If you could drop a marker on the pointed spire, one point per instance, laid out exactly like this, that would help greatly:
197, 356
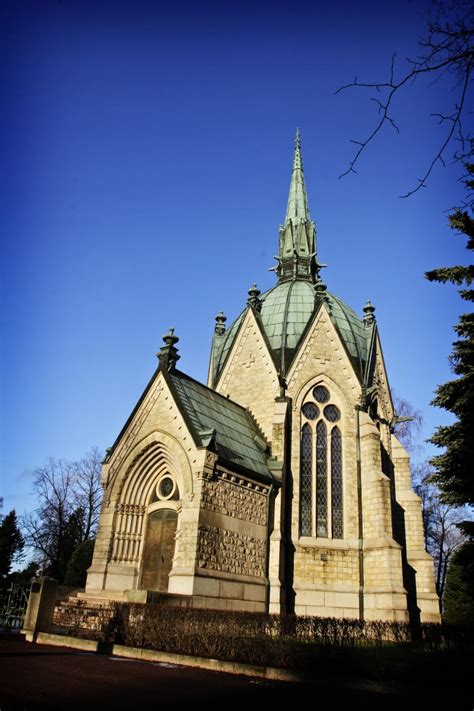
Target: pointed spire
297, 208
297, 248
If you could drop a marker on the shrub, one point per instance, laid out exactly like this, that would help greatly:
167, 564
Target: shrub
284, 641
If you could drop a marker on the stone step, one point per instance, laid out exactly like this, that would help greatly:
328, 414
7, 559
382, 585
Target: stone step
86, 602
98, 597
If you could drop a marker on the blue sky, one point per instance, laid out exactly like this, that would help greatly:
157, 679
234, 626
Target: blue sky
147, 153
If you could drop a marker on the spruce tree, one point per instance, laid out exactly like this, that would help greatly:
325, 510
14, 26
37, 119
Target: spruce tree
454, 473
11, 543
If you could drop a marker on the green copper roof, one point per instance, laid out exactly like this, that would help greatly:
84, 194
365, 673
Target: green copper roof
286, 309
237, 440
285, 313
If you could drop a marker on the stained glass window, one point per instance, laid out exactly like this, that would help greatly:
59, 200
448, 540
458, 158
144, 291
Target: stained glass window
306, 480
336, 483
331, 413
310, 411
321, 474
321, 480
321, 394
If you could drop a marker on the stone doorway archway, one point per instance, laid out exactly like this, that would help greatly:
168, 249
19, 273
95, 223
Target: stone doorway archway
159, 548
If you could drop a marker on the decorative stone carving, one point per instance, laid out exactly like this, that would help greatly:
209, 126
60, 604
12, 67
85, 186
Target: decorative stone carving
240, 501
230, 552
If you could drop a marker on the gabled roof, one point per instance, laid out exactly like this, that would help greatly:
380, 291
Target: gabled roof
285, 313
237, 440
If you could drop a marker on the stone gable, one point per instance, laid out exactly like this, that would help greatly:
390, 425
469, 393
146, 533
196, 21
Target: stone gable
322, 352
250, 376
157, 413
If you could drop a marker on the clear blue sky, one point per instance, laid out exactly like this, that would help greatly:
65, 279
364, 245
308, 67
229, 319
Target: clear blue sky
146, 163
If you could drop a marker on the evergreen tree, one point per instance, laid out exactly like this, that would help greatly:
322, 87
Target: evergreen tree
11, 542
454, 467
458, 599
81, 560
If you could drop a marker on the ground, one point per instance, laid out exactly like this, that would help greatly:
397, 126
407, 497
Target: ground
37, 677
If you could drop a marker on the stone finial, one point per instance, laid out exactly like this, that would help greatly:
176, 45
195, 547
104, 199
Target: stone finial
254, 301
320, 288
168, 355
320, 292
369, 317
219, 328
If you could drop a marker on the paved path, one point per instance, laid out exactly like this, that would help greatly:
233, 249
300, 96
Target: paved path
38, 677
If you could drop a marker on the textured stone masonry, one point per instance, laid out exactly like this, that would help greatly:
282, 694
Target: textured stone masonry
233, 500
229, 552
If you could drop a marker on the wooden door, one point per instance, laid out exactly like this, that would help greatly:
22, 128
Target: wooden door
159, 549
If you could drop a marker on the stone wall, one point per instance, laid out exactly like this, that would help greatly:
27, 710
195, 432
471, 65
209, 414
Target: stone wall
233, 525
230, 552
237, 501
327, 566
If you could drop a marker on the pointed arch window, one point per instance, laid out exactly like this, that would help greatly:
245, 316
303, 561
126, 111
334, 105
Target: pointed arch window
336, 482
321, 467
306, 484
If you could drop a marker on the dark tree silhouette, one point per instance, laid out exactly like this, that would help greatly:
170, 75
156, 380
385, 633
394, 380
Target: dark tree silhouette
11, 543
69, 497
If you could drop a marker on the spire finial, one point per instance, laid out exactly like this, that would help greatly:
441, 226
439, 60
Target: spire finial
168, 355
298, 138
297, 209
219, 328
369, 310
298, 165
254, 301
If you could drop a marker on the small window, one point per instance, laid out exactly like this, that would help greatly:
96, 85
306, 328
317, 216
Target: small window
321, 394
310, 411
166, 488
331, 413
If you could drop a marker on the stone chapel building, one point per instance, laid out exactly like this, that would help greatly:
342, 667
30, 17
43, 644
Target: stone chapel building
280, 485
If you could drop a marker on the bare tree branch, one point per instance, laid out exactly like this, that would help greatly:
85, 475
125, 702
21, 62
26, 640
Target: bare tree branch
447, 48
68, 496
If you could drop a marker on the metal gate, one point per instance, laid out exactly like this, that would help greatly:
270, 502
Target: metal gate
13, 603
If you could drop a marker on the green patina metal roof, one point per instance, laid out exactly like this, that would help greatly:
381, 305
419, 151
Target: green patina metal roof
286, 309
285, 313
237, 439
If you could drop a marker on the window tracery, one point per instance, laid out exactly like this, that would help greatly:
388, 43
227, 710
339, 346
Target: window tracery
321, 467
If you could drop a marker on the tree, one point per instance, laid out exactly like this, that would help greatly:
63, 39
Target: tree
446, 51
407, 424
81, 559
11, 543
69, 496
458, 601
453, 468
440, 523
23, 577
88, 490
